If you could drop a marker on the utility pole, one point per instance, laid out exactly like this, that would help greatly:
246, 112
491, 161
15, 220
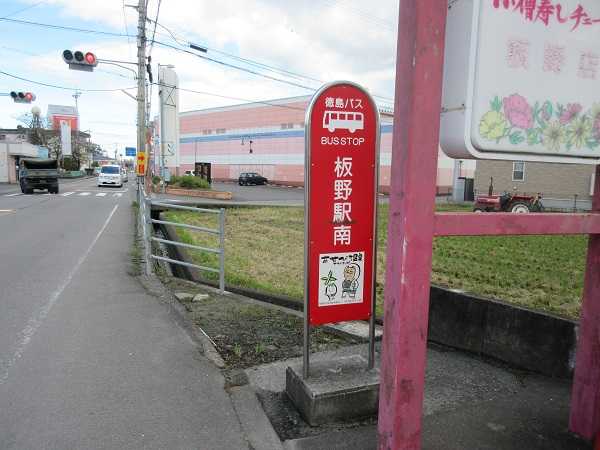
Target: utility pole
76, 96
141, 91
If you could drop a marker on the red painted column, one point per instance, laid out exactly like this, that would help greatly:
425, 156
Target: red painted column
585, 396
420, 55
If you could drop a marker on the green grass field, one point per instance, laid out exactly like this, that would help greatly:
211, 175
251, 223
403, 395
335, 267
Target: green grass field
264, 251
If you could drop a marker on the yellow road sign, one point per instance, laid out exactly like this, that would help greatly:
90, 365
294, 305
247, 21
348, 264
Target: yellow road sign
141, 164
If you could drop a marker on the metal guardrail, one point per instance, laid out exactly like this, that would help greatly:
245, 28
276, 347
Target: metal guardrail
145, 221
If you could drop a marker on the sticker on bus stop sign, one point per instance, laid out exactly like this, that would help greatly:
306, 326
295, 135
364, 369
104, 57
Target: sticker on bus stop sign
342, 143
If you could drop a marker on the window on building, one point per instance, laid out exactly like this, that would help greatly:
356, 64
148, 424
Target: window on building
518, 171
287, 126
221, 130
2, 137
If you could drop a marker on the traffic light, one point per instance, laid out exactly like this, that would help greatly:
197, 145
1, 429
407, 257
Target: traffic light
22, 97
80, 61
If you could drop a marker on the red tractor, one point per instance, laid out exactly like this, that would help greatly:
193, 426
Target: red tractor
508, 202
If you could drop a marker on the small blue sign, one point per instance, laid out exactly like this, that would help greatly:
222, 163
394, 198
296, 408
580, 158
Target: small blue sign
130, 151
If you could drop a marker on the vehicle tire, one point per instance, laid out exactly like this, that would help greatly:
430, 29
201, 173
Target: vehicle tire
56, 190
28, 190
478, 210
240, 183
519, 208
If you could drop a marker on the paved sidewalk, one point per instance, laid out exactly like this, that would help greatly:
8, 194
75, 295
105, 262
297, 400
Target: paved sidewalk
108, 367
470, 404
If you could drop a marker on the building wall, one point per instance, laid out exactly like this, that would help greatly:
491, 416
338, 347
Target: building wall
4, 163
556, 182
221, 136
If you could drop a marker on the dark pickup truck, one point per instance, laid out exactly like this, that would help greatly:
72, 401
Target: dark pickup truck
38, 174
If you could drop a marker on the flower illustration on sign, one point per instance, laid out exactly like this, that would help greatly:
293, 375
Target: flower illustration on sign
570, 112
492, 125
553, 136
518, 112
579, 132
553, 125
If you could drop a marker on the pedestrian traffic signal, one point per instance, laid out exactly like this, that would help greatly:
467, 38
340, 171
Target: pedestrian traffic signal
80, 61
22, 97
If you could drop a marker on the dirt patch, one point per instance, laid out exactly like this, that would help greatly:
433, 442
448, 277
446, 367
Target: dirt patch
247, 332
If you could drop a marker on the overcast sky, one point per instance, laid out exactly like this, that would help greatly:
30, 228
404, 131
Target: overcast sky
320, 39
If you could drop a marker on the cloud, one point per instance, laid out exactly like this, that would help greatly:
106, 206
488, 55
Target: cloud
323, 39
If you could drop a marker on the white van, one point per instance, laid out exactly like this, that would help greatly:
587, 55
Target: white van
110, 176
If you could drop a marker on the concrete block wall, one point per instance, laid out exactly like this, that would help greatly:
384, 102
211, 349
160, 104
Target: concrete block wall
554, 181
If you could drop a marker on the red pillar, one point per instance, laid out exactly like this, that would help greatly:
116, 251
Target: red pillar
585, 397
420, 55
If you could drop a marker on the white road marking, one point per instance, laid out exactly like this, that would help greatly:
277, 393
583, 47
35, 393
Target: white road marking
66, 194
6, 210
118, 194
34, 322
101, 194
84, 193
13, 195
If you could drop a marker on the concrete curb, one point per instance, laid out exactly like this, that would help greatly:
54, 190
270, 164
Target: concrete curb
256, 425
199, 193
155, 287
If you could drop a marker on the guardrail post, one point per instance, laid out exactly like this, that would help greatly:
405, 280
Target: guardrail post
222, 250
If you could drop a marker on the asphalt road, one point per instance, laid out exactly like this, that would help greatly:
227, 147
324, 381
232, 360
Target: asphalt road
262, 193
88, 359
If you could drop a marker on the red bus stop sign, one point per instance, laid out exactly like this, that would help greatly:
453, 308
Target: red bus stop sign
341, 175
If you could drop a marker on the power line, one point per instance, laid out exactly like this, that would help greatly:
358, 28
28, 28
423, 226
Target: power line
24, 52
243, 69
255, 63
364, 14
228, 97
66, 88
155, 23
149, 99
239, 58
126, 28
24, 9
62, 27
216, 61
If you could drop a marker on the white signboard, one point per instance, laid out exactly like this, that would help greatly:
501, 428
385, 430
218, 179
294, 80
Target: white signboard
341, 278
65, 138
169, 117
522, 80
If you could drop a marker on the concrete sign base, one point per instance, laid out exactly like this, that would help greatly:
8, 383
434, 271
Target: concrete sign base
341, 389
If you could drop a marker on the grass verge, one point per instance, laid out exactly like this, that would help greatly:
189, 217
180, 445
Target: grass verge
249, 333
264, 251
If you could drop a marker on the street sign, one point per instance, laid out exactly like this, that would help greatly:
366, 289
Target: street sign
130, 151
342, 144
140, 167
521, 81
